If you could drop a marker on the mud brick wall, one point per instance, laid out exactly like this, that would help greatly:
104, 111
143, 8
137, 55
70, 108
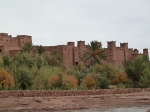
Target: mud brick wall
46, 93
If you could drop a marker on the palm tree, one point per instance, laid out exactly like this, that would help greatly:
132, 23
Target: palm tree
94, 53
135, 69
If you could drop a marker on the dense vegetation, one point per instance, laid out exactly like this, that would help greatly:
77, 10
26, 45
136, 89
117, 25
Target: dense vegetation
31, 69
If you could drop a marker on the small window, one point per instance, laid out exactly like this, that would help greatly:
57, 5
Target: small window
0, 50
76, 63
110, 49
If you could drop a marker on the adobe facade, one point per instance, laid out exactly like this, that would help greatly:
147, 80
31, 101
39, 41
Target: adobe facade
71, 54
117, 55
10, 45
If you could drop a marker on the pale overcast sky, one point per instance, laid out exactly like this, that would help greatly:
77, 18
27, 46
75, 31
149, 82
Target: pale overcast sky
54, 22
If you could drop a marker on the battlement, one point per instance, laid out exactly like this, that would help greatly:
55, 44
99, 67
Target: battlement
145, 51
111, 41
124, 45
70, 44
4, 34
111, 44
23, 36
70, 53
81, 43
135, 51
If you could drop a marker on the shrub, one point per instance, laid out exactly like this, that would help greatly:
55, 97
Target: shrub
106, 68
53, 81
89, 81
101, 82
120, 77
145, 81
6, 80
69, 82
129, 85
40, 82
120, 85
82, 87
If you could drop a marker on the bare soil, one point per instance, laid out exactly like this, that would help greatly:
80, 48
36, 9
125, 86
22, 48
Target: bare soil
30, 104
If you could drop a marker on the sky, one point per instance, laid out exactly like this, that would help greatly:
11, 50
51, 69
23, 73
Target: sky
55, 22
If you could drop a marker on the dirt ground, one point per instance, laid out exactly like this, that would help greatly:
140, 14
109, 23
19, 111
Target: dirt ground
30, 104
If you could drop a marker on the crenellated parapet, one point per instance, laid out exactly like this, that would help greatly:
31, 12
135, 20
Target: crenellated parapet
72, 54
10, 45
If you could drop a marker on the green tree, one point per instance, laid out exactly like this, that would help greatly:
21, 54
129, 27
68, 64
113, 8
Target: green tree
28, 48
145, 80
26, 59
135, 69
23, 78
94, 53
105, 68
54, 59
6, 60
40, 50
40, 62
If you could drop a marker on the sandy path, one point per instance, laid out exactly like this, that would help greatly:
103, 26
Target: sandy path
74, 102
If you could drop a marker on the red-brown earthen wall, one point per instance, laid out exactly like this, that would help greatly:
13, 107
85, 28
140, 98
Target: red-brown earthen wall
48, 93
70, 53
10, 45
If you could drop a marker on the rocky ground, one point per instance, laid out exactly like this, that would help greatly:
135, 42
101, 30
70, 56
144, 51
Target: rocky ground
29, 104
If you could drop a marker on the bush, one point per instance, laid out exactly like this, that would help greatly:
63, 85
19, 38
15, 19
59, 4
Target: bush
145, 81
106, 68
89, 81
69, 82
101, 82
82, 87
120, 77
120, 85
53, 81
6, 80
129, 85
40, 82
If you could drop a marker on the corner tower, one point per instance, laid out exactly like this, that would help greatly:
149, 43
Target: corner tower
145, 51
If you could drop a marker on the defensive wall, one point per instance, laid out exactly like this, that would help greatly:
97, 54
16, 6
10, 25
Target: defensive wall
49, 93
71, 54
